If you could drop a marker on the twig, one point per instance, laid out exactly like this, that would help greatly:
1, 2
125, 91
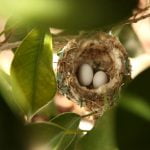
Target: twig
90, 114
10, 45
141, 10
135, 20
139, 14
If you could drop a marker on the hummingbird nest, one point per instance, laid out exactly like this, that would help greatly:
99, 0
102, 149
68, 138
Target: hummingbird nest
103, 52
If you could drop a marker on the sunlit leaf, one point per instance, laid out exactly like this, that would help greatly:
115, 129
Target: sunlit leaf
57, 134
5, 83
6, 91
32, 75
102, 137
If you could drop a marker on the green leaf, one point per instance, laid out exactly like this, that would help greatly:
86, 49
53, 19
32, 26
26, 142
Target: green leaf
49, 110
132, 131
5, 84
11, 128
6, 91
57, 134
33, 79
73, 145
136, 105
65, 119
69, 121
133, 115
102, 137
136, 97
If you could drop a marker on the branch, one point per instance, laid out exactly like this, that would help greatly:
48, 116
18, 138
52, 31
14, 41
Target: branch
138, 15
10, 45
135, 20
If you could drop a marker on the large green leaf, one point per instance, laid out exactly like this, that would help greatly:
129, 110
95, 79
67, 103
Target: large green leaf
102, 137
6, 91
72, 14
136, 97
57, 134
11, 128
133, 115
133, 131
5, 85
33, 79
73, 145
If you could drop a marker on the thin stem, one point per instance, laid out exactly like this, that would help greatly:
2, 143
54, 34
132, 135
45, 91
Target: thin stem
135, 20
10, 45
90, 114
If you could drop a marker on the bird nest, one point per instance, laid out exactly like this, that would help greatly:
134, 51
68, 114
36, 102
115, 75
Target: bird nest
103, 52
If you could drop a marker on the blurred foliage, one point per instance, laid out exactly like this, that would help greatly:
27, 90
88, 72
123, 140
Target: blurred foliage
133, 115
70, 14
33, 79
138, 90
16, 29
129, 39
133, 131
11, 129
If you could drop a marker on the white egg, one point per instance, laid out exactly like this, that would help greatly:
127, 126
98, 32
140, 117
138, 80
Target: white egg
99, 79
85, 74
